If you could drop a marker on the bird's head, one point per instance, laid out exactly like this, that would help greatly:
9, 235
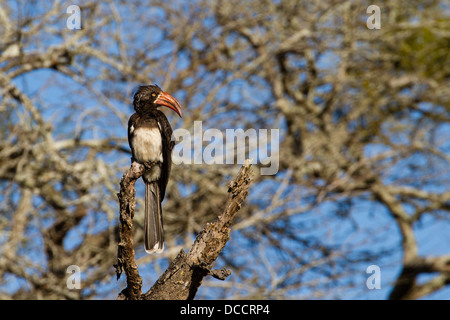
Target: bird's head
152, 96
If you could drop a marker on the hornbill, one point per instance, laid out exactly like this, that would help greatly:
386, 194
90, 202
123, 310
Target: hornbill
149, 136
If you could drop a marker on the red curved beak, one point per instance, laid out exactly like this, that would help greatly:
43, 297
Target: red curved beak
167, 100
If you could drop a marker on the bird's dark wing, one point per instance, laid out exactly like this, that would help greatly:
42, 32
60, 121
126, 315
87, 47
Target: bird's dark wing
132, 122
167, 147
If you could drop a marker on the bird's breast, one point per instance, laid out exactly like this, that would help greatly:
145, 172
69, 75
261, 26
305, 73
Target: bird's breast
147, 144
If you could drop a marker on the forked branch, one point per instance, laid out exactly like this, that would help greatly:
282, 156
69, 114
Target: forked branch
185, 273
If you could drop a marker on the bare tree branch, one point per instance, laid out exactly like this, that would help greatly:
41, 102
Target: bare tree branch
125, 254
184, 275
406, 286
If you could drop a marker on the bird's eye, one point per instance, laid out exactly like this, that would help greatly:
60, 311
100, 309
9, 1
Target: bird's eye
153, 94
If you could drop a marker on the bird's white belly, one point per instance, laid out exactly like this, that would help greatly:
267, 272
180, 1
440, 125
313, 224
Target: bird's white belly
147, 144
147, 147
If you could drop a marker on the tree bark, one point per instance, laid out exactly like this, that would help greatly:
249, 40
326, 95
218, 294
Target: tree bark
185, 273
125, 250
406, 286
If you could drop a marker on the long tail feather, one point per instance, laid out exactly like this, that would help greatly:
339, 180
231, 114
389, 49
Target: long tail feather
154, 233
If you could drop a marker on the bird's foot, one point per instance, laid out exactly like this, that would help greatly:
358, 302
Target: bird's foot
149, 164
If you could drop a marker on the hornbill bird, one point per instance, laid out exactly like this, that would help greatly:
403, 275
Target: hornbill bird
149, 136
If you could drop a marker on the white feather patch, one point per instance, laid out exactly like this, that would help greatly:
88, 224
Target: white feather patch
147, 144
155, 249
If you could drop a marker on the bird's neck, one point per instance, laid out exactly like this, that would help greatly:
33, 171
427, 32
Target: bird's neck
147, 111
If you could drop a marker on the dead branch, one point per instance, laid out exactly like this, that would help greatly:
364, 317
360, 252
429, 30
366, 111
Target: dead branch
184, 275
125, 252
406, 286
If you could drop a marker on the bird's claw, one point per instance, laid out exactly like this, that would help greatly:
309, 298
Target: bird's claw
149, 164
